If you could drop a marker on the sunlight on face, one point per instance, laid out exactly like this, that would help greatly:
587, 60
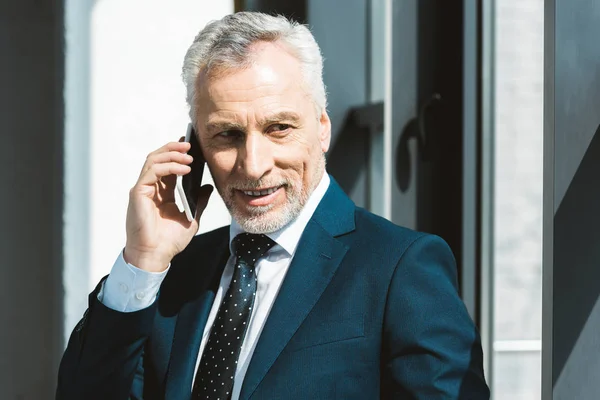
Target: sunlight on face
262, 139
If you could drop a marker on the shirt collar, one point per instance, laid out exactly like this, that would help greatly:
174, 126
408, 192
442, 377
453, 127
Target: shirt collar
289, 236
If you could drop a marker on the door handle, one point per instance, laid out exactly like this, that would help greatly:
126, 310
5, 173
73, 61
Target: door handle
424, 137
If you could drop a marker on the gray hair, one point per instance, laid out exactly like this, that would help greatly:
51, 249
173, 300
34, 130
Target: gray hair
225, 44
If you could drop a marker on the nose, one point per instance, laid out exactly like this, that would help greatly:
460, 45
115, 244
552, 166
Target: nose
255, 160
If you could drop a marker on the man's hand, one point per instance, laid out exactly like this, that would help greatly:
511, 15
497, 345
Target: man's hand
156, 229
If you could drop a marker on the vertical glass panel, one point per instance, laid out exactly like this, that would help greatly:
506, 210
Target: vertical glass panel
518, 127
518, 375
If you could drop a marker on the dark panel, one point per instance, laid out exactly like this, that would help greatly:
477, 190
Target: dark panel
576, 256
440, 71
572, 238
428, 40
31, 113
294, 9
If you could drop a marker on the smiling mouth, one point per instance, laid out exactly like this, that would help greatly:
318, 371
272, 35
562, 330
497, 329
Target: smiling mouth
259, 193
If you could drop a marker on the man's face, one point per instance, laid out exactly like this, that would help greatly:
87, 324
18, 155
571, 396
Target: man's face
262, 138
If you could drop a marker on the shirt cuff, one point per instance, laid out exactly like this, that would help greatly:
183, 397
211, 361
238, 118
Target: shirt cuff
128, 288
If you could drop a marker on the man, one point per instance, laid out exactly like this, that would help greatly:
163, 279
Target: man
304, 296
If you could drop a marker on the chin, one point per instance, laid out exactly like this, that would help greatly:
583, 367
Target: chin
264, 221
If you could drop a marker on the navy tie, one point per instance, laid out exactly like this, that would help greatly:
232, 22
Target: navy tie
216, 372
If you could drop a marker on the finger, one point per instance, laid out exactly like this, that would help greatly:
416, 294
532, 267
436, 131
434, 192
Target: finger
181, 147
157, 171
203, 197
166, 156
171, 156
173, 147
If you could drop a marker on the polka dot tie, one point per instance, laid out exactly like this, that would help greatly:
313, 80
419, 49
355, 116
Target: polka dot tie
216, 372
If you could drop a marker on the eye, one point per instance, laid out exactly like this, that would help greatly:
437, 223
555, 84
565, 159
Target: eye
231, 134
278, 128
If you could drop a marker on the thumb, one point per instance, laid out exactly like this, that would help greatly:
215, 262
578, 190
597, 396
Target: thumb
205, 192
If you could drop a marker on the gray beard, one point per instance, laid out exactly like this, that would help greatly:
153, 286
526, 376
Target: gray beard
263, 219
266, 221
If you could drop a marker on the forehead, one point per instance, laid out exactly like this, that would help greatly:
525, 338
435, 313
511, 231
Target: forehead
273, 81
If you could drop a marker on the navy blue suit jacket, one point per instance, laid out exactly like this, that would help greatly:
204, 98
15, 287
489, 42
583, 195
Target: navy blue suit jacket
367, 310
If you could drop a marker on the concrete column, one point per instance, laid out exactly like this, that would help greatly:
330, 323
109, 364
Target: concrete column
31, 150
571, 314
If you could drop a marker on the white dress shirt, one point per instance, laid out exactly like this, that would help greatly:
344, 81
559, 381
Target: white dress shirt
129, 289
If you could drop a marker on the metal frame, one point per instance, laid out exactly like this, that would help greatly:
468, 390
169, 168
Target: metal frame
548, 200
379, 88
376, 94
487, 186
387, 111
470, 151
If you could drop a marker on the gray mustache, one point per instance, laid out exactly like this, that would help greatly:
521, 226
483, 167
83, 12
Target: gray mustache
256, 185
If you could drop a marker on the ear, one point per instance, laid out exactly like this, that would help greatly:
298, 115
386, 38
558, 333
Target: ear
324, 131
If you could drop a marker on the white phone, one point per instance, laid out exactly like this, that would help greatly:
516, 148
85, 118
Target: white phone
188, 186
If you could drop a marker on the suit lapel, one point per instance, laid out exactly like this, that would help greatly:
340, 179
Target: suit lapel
317, 258
194, 312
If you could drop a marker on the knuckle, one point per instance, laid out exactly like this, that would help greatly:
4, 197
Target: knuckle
154, 166
150, 159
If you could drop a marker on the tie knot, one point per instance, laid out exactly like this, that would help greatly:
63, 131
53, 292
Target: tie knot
249, 247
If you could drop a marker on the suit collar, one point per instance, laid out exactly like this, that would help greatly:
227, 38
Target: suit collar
335, 213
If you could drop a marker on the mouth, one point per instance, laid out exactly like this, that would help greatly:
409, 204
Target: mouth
261, 196
258, 193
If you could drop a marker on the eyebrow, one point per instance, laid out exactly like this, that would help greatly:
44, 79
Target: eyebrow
222, 126
225, 125
288, 116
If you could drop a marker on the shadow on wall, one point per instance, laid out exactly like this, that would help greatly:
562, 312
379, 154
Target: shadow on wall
576, 256
349, 154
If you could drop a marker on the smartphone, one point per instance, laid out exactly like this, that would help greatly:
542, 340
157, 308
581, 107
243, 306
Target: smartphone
188, 186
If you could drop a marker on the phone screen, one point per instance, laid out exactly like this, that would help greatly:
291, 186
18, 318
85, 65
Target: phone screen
192, 182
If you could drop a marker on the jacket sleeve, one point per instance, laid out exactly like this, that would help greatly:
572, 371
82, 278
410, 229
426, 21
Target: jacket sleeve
104, 354
431, 347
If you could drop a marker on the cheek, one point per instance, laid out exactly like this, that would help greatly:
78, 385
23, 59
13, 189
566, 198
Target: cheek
292, 157
221, 164
302, 152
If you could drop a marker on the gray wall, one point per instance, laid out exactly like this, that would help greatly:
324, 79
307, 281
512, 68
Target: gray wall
346, 76
31, 110
571, 343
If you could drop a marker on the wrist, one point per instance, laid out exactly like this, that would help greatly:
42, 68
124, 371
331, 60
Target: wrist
150, 262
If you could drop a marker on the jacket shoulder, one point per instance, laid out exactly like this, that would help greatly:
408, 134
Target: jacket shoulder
389, 240
383, 230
